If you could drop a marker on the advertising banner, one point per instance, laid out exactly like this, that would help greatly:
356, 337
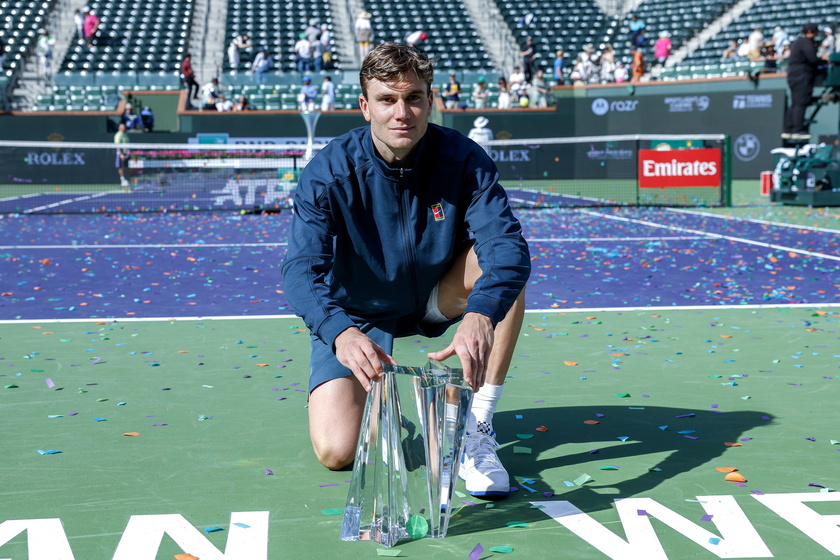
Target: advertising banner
660, 169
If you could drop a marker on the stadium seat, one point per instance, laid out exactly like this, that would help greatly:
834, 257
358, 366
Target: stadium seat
276, 26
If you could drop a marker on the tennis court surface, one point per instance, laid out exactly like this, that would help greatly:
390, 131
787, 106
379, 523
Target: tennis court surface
153, 392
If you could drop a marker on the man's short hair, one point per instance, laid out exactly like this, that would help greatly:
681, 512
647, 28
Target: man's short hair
389, 62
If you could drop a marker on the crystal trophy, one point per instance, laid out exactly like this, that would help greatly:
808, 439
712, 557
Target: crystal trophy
408, 455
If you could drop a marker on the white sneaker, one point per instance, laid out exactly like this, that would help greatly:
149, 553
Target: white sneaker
124, 182
480, 467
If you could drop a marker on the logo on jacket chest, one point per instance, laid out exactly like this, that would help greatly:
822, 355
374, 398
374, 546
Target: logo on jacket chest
437, 211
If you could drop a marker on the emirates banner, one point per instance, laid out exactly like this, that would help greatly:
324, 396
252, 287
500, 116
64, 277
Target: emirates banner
660, 169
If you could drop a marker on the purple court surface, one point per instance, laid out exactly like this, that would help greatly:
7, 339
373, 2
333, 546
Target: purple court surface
215, 264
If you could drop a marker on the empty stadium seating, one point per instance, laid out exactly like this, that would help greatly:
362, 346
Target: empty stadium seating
567, 25
453, 38
134, 36
274, 25
19, 23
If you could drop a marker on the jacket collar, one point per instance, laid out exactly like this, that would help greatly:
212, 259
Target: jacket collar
397, 173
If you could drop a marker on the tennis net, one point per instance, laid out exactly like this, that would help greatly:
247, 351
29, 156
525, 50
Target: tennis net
68, 177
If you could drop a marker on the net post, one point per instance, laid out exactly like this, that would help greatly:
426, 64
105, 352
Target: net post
727, 171
637, 174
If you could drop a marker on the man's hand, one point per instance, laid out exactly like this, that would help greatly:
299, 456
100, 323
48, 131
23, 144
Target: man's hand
361, 355
472, 343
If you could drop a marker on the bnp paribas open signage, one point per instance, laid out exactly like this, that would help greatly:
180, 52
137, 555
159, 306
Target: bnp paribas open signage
723, 525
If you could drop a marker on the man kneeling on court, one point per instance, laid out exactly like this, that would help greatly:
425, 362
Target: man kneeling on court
401, 228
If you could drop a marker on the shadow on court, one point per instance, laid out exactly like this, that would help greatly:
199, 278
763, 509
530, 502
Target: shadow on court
559, 452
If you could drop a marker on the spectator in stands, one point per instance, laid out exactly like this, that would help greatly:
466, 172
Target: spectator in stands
504, 101
744, 49
607, 71
237, 44
130, 119
731, 52
79, 22
637, 27
147, 119
307, 95
785, 54
91, 26
588, 54
662, 47
529, 55
480, 134
516, 82
210, 93
317, 54
771, 58
44, 50
620, 73
755, 42
416, 38
827, 45
801, 75
223, 104
261, 65
580, 71
303, 54
452, 92
242, 104
538, 91
780, 38
326, 46
640, 38
480, 93
327, 95
638, 69
188, 77
121, 137
364, 33
313, 31
559, 71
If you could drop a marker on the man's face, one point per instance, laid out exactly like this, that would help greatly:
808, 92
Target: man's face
398, 113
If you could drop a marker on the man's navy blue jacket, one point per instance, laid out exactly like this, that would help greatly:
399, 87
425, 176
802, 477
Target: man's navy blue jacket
369, 242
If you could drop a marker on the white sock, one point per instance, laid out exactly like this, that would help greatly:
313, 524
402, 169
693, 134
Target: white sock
483, 408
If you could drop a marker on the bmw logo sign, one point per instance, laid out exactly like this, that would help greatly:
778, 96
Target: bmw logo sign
747, 147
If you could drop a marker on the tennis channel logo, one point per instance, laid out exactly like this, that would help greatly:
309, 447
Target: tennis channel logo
601, 106
753, 101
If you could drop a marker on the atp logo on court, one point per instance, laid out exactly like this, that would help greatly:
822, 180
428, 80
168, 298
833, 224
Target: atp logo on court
437, 211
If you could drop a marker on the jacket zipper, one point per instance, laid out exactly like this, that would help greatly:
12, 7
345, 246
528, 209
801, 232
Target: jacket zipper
408, 235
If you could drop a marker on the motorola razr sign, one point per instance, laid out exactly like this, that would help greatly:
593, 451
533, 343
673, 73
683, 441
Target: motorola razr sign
752, 119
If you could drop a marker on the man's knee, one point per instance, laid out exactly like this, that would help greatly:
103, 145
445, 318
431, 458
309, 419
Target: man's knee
335, 458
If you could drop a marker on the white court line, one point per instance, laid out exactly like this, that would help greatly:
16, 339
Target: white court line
716, 236
152, 246
66, 201
753, 220
20, 197
559, 310
614, 239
